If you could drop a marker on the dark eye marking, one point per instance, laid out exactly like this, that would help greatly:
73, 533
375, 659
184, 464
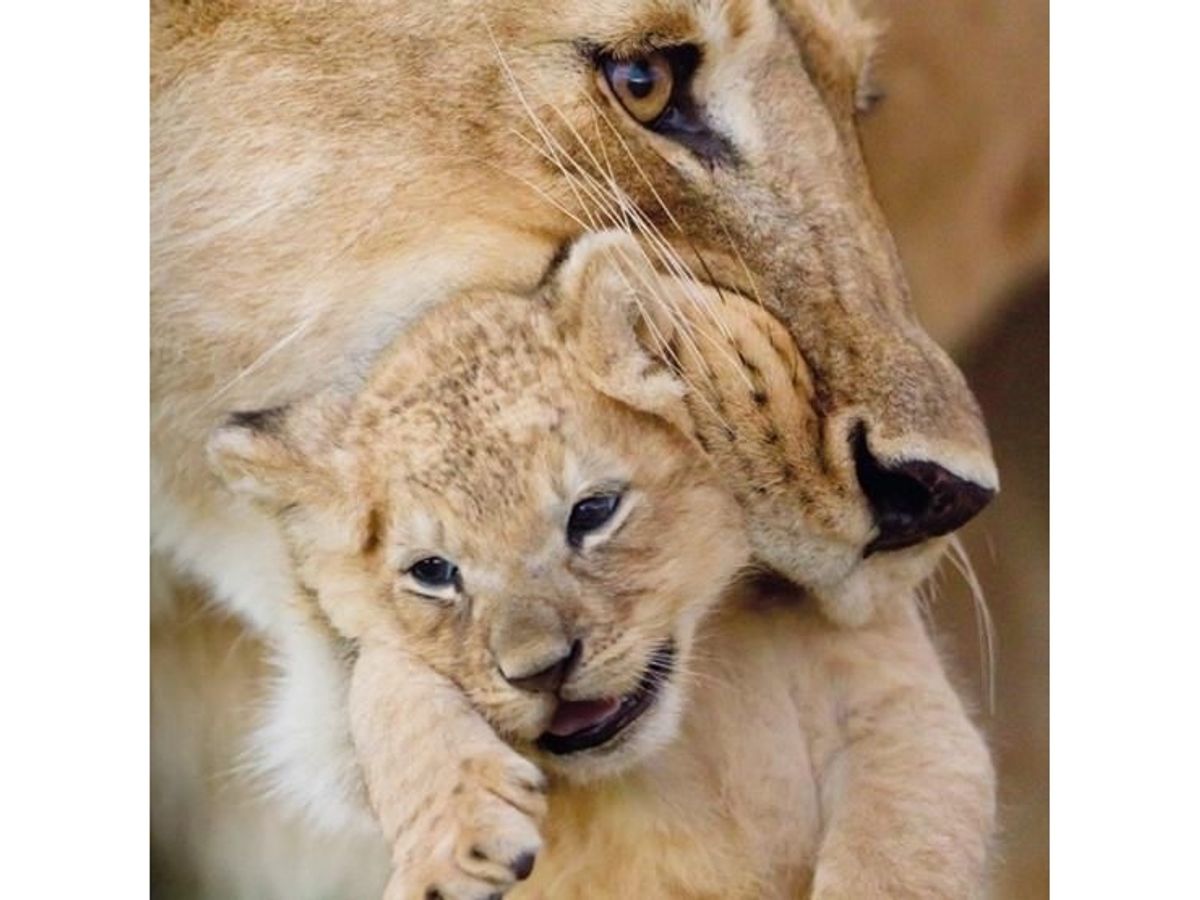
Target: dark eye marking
435, 572
655, 88
590, 515
869, 96
265, 420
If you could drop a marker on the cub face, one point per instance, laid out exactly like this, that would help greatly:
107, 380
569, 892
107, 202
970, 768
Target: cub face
514, 497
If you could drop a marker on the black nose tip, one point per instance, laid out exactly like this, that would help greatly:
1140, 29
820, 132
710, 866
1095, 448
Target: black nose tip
915, 500
549, 679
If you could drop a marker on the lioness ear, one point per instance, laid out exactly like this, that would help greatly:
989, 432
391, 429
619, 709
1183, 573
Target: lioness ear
278, 455
612, 312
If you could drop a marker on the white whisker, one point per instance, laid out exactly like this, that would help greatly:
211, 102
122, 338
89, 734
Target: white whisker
983, 619
262, 359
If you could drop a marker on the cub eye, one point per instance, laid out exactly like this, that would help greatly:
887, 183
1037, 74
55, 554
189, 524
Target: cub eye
644, 85
434, 572
589, 515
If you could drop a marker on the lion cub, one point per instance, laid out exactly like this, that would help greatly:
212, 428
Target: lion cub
515, 532
493, 519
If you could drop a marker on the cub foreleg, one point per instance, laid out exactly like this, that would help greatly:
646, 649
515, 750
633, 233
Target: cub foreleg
460, 809
907, 784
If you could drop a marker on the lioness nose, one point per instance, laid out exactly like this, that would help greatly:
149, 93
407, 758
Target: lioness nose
547, 679
914, 500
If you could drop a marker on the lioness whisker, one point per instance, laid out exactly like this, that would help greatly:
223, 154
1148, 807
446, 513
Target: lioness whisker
629, 211
553, 152
681, 328
983, 618
742, 262
541, 193
571, 180
547, 138
650, 230
261, 360
637, 166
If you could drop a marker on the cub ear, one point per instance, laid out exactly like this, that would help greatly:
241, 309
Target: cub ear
278, 455
612, 310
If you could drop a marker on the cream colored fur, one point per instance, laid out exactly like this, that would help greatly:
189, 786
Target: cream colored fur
456, 804
783, 674
323, 173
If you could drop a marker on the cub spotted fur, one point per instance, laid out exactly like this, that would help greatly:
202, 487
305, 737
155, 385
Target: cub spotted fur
515, 516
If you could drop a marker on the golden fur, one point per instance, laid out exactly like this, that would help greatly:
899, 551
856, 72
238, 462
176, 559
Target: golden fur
325, 173
472, 438
777, 670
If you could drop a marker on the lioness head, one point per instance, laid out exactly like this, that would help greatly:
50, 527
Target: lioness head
323, 171
529, 517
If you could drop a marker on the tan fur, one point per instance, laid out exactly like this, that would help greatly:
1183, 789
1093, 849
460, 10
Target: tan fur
765, 668
462, 459
323, 173
455, 805
838, 780
959, 154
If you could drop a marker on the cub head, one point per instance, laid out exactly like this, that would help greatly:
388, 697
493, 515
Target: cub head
513, 495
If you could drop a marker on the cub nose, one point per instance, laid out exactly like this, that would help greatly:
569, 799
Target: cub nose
550, 678
913, 500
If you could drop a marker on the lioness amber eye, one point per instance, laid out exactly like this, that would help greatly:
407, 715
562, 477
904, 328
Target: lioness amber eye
590, 514
643, 85
434, 572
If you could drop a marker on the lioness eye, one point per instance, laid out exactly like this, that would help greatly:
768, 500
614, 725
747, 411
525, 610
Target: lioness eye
434, 572
590, 514
655, 89
644, 85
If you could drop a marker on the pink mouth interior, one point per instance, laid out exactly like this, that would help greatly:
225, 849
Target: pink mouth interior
573, 716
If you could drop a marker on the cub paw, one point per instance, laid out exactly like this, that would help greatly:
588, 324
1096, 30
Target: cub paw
477, 839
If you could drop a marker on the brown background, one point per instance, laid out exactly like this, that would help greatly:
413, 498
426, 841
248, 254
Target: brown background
959, 151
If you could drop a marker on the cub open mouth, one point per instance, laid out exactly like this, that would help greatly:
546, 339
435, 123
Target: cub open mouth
584, 724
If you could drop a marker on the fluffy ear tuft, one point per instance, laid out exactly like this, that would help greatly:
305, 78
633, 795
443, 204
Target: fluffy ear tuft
274, 455
611, 306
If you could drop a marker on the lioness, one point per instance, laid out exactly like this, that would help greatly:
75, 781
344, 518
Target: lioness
518, 500
322, 173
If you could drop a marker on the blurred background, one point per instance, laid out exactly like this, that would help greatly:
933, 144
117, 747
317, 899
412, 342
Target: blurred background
959, 152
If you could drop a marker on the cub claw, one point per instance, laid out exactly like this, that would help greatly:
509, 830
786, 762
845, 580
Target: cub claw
479, 833
522, 866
